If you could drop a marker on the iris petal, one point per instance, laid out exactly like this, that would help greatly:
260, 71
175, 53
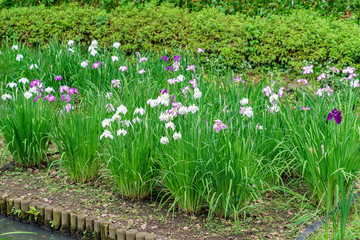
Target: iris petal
338, 119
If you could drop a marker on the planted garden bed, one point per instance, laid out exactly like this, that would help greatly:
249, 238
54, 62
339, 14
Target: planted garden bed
162, 136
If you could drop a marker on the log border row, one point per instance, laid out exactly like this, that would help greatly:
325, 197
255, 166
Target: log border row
68, 222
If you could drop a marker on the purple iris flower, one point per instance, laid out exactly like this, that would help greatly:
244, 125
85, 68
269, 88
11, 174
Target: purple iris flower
165, 58
35, 83
58, 78
169, 68
50, 97
36, 98
336, 115
162, 91
66, 98
177, 58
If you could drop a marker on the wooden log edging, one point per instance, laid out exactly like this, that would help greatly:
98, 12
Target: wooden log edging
66, 222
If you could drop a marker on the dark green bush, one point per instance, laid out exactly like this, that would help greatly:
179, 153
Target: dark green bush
285, 41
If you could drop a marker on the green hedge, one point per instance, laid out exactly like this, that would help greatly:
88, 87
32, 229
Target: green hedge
285, 41
339, 8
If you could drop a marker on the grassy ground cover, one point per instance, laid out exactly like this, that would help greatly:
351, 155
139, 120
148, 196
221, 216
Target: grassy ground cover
199, 142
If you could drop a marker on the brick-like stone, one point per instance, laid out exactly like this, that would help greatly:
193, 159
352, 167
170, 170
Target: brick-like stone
112, 230
73, 224
97, 223
41, 208
3, 203
9, 206
140, 236
104, 230
48, 216
65, 221
17, 206
81, 225
150, 236
89, 222
57, 217
121, 233
131, 234
25, 203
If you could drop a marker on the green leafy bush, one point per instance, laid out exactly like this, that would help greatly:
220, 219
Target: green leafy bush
233, 40
250, 7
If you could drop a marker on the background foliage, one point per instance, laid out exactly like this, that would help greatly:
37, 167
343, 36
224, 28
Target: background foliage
340, 8
234, 40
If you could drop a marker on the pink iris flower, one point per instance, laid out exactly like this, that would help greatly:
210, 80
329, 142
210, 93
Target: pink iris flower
66, 98
142, 71
193, 83
68, 107
334, 69
200, 50
50, 97
304, 81
267, 90
191, 67
143, 60
281, 92
308, 69
184, 91
123, 68
238, 79
219, 125
116, 83
322, 76
96, 64
349, 70
64, 89
71, 91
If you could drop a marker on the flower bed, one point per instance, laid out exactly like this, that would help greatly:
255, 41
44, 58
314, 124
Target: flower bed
205, 142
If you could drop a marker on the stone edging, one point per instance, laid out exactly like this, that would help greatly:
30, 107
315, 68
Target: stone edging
67, 222
316, 225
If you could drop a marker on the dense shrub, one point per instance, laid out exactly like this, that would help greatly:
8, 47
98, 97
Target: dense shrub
232, 39
343, 8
